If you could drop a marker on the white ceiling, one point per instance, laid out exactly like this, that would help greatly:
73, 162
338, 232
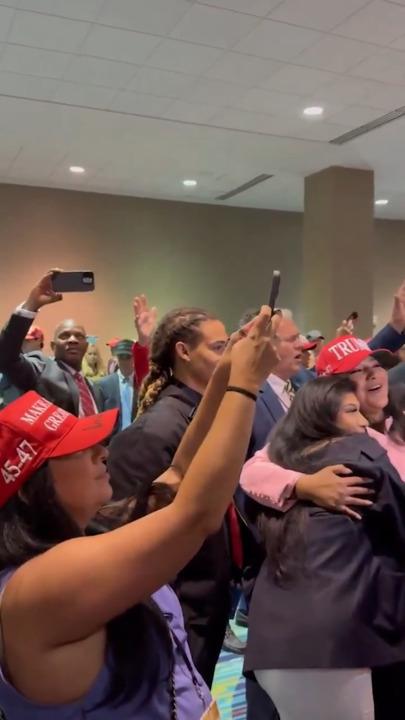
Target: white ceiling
144, 93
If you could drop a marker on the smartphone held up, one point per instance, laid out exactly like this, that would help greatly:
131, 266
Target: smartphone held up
73, 281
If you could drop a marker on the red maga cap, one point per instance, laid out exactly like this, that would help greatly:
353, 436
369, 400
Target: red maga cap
342, 355
32, 430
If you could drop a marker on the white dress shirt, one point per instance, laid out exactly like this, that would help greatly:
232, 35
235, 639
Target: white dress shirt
279, 386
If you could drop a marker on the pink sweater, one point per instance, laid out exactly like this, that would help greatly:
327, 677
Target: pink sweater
271, 485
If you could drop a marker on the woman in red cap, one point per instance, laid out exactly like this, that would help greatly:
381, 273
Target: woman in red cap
89, 630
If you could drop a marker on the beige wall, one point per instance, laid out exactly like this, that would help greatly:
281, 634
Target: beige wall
389, 264
178, 253
217, 257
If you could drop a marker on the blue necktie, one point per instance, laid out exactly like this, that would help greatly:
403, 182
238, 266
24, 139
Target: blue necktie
126, 401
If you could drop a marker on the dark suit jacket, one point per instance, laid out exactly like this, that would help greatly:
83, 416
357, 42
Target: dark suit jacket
268, 411
138, 455
35, 371
344, 606
110, 396
388, 339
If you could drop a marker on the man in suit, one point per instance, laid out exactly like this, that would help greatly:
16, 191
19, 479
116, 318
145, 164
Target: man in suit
58, 379
117, 390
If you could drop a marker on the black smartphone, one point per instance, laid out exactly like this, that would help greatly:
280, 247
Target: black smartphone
73, 281
275, 289
353, 316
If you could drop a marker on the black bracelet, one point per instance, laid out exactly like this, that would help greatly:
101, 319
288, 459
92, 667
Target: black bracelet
242, 391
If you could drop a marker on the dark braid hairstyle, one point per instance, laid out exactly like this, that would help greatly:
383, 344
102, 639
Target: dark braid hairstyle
179, 325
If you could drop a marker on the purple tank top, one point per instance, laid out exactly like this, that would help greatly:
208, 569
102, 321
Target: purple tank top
191, 701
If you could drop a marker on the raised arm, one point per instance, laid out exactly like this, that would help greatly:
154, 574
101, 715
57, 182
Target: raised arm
74, 589
145, 319
20, 370
392, 337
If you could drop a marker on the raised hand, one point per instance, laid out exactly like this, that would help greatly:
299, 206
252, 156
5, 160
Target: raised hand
398, 311
145, 319
43, 293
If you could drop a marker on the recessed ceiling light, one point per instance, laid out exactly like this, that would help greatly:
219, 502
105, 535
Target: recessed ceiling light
189, 183
77, 169
313, 111
381, 201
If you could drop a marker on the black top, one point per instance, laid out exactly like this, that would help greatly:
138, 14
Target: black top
138, 455
346, 609
144, 450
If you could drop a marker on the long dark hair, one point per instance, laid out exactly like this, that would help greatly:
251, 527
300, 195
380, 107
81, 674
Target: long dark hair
310, 421
33, 521
179, 325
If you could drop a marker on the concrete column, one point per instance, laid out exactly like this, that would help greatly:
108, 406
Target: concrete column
337, 249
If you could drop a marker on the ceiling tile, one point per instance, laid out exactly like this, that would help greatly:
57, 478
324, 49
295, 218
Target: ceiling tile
216, 92
220, 28
161, 82
150, 16
27, 86
388, 97
386, 66
299, 80
350, 90
271, 102
183, 57
317, 14
6, 17
277, 40
116, 44
95, 71
243, 120
32, 61
75, 9
138, 104
254, 7
243, 69
190, 112
355, 116
45, 31
84, 95
335, 54
379, 22
400, 43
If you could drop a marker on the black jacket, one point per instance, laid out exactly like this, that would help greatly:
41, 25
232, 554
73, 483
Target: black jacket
346, 608
138, 455
35, 371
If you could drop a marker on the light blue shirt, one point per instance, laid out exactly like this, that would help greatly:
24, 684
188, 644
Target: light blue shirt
127, 398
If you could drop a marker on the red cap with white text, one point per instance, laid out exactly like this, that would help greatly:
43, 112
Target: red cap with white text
33, 430
342, 355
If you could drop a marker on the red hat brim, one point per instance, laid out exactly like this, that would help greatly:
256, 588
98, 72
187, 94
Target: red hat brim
85, 433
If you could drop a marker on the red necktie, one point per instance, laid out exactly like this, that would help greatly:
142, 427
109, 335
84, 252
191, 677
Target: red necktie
86, 399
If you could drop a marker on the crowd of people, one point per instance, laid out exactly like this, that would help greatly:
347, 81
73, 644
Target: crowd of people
196, 475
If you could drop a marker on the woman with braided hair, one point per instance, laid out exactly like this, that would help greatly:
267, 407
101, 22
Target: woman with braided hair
180, 326
186, 347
